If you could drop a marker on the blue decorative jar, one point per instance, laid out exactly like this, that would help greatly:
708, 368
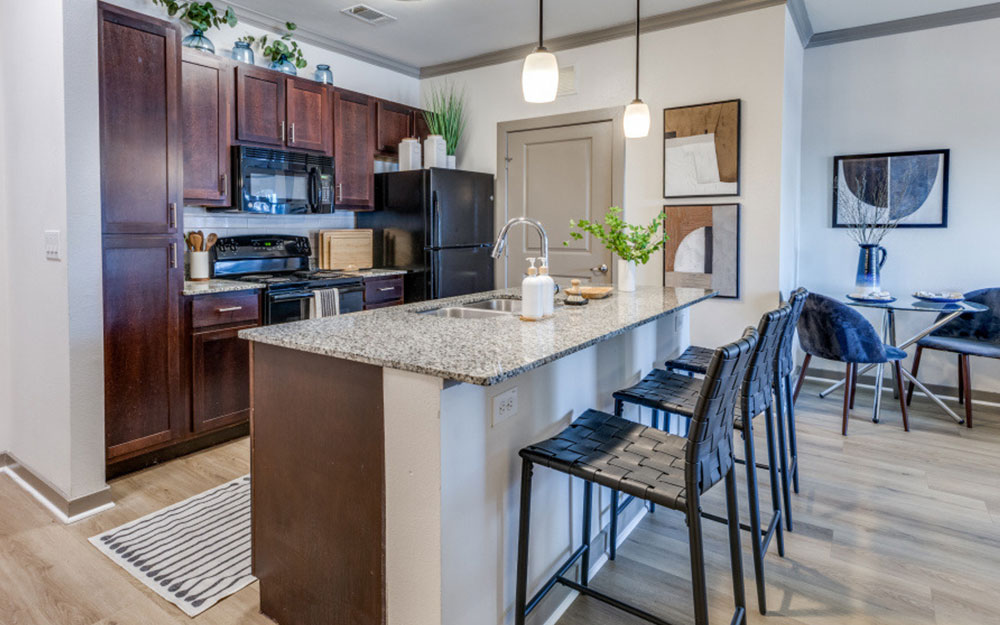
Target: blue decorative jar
199, 41
869, 278
284, 65
323, 74
243, 53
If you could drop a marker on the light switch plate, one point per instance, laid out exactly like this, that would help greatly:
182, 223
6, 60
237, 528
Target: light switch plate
504, 406
53, 249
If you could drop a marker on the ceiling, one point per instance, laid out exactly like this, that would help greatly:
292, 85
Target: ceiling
431, 32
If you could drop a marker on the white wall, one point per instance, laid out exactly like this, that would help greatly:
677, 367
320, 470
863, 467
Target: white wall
929, 89
741, 56
791, 157
4, 271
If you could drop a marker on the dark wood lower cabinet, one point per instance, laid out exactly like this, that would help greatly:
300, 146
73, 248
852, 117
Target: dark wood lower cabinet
220, 378
383, 292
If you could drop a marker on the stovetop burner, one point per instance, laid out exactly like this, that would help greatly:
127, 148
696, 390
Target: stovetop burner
266, 278
323, 274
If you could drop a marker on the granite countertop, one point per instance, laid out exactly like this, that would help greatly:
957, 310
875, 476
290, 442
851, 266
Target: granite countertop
207, 287
378, 273
477, 351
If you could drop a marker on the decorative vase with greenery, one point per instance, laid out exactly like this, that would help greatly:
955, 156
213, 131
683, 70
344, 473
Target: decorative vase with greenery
445, 115
869, 218
201, 17
285, 53
632, 244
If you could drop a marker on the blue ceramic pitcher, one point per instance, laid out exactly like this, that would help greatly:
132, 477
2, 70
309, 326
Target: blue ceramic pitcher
870, 260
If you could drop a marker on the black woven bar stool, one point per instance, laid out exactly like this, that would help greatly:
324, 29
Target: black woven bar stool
652, 465
676, 394
695, 360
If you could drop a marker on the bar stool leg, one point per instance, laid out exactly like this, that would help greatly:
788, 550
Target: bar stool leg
698, 583
793, 448
779, 419
588, 498
754, 503
772, 468
735, 552
613, 539
521, 592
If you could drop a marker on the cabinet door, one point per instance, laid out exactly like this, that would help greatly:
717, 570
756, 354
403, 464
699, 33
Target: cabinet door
354, 150
395, 123
308, 115
220, 378
143, 279
206, 91
139, 74
260, 106
420, 127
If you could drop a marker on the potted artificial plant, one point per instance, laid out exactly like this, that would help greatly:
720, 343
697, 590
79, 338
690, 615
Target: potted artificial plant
285, 54
201, 17
634, 245
445, 116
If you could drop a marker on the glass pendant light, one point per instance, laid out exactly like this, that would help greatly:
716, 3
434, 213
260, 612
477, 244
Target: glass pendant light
540, 76
636, 119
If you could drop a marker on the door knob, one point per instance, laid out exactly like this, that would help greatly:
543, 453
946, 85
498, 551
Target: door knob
603, 268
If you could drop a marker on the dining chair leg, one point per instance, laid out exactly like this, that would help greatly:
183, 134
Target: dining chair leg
777, 413
736, 551
898, 366
967, 388
916, 366
802, 377
961, 379
521, 592
793, 446
772, 468
699, 585
847, 398
753, 499
854, 386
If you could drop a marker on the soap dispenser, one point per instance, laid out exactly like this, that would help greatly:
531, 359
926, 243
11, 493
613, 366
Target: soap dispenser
548, 289
531, 294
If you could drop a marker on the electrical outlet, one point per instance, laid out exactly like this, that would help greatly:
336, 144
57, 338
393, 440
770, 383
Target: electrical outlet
52, 247
504, 406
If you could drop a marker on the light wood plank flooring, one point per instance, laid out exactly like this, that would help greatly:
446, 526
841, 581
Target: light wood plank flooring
891, 528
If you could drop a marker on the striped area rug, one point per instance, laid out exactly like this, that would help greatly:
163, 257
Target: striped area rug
193, 553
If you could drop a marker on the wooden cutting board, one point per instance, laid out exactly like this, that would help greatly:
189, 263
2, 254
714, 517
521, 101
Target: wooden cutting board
345, 249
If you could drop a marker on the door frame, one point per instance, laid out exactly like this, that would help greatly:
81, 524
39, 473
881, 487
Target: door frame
501, 214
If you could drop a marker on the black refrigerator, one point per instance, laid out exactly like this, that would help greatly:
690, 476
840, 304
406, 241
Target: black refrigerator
438, 225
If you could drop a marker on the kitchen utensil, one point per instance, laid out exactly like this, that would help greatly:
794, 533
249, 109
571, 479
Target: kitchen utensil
212, 240
573, 297
195, 240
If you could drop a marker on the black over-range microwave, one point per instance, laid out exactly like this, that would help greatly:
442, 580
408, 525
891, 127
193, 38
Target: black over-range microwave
276, 182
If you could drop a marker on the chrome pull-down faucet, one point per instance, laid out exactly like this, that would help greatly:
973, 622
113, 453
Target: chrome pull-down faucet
501, 243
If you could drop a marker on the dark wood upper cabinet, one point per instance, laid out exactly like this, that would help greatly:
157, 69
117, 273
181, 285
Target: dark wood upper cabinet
354, 150
141, 154
143, 279
420, 127
395, 123
308, 115
207, 94
260, 106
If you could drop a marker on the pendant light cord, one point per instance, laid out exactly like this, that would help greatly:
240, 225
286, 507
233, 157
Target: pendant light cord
541, 22
636, 49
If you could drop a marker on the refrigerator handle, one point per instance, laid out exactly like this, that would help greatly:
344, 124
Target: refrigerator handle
433, 230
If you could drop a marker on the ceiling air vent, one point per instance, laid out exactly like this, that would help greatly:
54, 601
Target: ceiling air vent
368, 15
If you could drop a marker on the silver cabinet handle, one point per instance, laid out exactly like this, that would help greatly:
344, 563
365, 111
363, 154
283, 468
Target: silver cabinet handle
282, 131
173, 214
293, 132
229, 309
340, 192
173, 256
603, 268
387, 288
223, 179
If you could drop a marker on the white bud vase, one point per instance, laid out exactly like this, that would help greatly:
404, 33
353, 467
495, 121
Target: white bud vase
626, 276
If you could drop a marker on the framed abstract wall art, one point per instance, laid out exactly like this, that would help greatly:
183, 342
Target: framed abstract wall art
703, 248
701, 150
913, 186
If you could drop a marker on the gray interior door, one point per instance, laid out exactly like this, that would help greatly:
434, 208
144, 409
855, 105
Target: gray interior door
555, 174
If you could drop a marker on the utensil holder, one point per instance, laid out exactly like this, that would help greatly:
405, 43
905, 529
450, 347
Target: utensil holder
199, 266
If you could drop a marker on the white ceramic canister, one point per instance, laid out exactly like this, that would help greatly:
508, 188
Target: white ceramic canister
410, 154
199, 266
435, 152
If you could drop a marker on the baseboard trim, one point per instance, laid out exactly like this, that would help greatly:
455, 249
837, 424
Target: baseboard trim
65, 509
941, 390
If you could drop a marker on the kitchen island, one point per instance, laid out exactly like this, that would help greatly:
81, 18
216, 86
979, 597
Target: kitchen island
384, 462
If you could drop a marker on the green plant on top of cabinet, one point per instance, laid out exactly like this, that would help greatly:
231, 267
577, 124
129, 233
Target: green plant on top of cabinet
200, 16
285, 54
277, 110
206, 88
354, 150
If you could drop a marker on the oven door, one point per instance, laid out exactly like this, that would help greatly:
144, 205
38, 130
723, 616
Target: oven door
352, 299
287, 306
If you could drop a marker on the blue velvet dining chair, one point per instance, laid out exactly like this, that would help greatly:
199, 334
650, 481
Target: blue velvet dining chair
831, 330
972, 334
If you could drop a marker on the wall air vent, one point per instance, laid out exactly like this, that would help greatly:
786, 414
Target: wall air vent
567, 81
368, 15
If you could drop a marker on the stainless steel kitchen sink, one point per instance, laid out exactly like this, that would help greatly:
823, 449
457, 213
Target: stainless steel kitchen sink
502, 305
460, 312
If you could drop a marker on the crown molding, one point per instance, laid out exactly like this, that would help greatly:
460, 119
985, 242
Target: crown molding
714, 10
907, 25
800, 17
306, 35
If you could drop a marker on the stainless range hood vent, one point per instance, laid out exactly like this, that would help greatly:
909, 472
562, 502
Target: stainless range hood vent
368, 15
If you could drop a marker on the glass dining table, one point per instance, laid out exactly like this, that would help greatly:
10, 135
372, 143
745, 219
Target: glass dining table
944, 313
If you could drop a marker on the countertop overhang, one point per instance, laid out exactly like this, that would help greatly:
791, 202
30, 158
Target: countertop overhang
477, 351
